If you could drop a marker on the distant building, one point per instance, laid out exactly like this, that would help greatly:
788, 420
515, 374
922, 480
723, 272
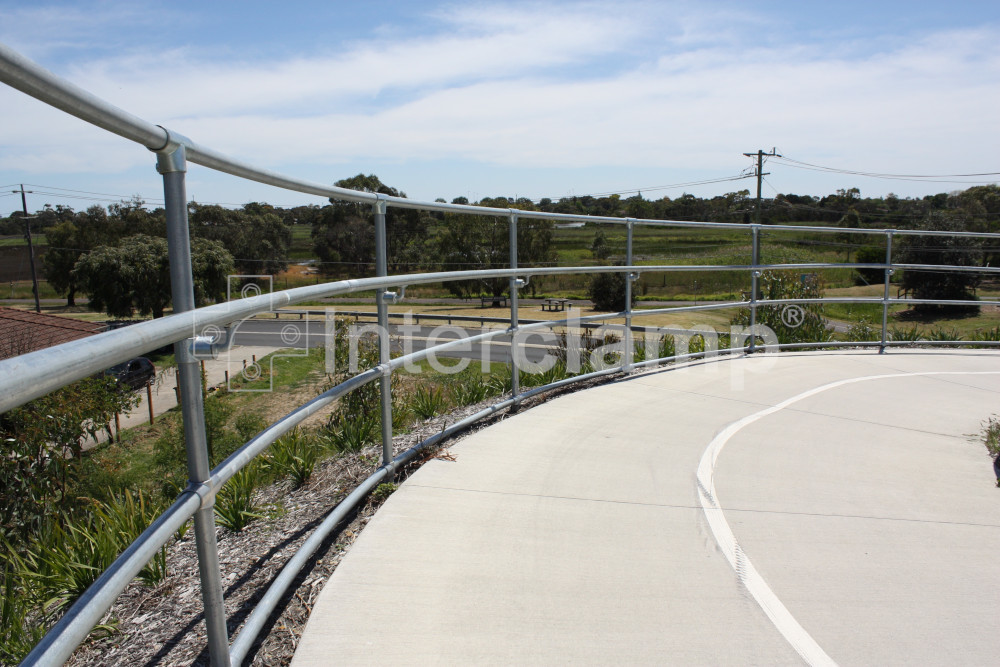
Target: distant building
23, 331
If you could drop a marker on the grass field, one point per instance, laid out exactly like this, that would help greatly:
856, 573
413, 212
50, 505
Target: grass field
301, 247
37, 239
652, 246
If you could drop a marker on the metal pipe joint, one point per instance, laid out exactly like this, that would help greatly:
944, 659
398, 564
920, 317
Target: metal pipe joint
206, 491
393, 297
172, 156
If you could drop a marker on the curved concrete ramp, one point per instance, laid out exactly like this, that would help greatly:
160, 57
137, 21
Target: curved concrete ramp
818, 508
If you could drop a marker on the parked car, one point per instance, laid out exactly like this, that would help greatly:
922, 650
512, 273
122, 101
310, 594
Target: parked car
136, 373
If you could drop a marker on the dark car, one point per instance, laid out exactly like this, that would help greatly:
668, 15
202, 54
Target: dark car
136, 373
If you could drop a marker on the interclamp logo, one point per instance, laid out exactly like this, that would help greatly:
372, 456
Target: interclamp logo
290, 339
579, 346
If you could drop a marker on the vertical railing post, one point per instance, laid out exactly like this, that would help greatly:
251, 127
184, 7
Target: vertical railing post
885, 294
171, 162
385, 382
515, 373
627, 354
754, 275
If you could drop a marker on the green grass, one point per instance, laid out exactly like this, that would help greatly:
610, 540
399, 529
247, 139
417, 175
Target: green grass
37, 240
21, 289
672, 246
301, 246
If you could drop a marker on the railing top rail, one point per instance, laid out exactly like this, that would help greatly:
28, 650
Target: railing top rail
32, 79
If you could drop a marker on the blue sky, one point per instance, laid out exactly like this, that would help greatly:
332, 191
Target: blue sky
534, 99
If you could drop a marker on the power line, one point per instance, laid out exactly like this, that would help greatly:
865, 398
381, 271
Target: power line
87, 195
654, 188
88, 192
928, 178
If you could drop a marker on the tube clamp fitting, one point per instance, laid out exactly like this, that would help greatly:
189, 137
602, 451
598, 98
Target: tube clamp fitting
172, 157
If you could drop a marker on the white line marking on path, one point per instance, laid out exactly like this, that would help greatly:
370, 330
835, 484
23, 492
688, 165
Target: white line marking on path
795, 634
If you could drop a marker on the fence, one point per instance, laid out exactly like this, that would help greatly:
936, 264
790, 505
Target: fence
32, 375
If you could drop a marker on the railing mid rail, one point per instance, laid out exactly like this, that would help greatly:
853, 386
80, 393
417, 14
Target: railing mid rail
32, 375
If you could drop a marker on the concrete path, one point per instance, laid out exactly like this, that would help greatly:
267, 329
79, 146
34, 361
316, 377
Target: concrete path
809, 508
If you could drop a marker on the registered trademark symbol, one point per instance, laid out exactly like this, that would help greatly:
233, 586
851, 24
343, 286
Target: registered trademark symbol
793, 316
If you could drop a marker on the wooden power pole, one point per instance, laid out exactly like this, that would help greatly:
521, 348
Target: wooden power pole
31, 251
760, 155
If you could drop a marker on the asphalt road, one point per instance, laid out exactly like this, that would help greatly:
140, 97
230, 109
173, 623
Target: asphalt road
312, 333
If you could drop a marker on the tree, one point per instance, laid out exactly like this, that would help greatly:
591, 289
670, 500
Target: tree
850, 220
467, 242
71, 237
60, 259
870, 255
40, 447
135, 276
607, 291
256, 236
599, 248
945, 250
345, 231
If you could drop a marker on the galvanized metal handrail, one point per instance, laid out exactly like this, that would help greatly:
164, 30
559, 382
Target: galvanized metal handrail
35, 374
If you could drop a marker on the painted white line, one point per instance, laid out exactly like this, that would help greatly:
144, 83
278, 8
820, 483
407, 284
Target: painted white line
795, 634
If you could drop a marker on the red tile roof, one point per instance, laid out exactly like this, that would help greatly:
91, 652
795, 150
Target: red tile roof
23, 331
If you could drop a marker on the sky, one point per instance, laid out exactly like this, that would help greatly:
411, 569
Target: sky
519, 99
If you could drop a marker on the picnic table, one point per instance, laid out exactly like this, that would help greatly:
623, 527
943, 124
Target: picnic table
492, 300
555, 305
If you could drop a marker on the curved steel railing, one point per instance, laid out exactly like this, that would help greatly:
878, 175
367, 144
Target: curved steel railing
35, 374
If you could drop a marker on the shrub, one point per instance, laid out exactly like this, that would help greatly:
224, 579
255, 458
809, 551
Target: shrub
248, 425
500, 382
607, 291
19, 631
359, 412
235, 508
775, 285
948, 250
350, 435
991, 438
870, 255
864, 331
469, 388
554, 374
42, 447
69, 553
912, 335
294, 455
221, 441
383, 491
428, 401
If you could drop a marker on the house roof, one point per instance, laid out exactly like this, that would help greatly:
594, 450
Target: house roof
23, 331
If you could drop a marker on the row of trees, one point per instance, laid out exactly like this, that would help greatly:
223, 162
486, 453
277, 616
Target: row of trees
980, 204
420, 240
125, 239
118, 256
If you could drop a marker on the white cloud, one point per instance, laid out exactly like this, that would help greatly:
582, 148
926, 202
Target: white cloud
473, 45
556, 87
